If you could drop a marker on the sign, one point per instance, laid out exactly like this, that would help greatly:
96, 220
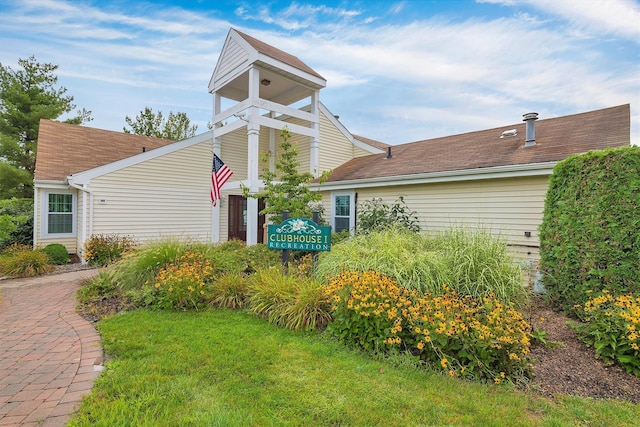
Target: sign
299, 234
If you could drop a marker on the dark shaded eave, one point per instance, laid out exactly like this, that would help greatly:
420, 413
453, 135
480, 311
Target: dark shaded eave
556, 139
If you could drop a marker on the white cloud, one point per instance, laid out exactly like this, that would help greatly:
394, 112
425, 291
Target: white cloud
391, 79
618, 17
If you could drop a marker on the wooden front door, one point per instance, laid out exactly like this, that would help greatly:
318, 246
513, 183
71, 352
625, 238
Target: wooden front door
238, 219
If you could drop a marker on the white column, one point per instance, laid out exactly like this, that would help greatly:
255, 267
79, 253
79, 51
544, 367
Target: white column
217, 145
272, 145
314, 161
253, 141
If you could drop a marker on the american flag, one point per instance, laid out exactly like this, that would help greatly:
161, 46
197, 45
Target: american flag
219, 175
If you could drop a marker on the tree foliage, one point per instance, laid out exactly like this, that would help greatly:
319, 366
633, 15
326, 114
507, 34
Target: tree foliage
589, 239
285, 188
176, 126
27, 95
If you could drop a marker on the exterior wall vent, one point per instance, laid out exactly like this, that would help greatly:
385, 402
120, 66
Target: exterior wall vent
530, 119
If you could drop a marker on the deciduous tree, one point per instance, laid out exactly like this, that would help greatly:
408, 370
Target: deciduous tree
177, 126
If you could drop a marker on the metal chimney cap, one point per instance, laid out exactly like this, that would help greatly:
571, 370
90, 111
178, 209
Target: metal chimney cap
530, 116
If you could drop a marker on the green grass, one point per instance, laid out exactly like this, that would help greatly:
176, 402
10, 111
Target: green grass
228, 368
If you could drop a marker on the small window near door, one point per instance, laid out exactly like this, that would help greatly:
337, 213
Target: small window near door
59, 213
343, 212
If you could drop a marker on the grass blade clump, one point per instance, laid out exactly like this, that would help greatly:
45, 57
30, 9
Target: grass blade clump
478, 264
401, 255
471, 262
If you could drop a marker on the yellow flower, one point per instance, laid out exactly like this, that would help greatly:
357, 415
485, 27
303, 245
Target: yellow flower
451, 373
420, 345
443, 362
496, 380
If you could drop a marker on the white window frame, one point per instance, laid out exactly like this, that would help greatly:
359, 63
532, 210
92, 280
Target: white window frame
44, 216
352, 209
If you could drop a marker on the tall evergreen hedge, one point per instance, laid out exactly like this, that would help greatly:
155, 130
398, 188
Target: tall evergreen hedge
590, 233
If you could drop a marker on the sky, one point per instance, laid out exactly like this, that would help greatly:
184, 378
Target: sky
396, 72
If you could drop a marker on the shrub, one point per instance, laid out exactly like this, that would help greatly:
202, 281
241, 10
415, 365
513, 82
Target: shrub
612, 326
16, 222
289, 301
104, 249
471, 262
367, 309
464, 336
309, 310
406, 257
469, 337
25, 263
58, 253
230, 291
270, 291
186, 284
376, 216
589, 236
478, 264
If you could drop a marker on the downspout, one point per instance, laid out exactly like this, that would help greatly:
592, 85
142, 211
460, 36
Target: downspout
88, 193
36, 219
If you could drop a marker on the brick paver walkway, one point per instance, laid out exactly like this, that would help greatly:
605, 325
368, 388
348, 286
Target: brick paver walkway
49, 355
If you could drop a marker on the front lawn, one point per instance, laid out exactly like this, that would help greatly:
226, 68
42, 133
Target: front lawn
223, 367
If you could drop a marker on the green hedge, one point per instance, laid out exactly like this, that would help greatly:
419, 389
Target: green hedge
16, 222
589, 236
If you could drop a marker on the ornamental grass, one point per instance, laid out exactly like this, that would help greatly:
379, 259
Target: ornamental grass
612, 327
464, 336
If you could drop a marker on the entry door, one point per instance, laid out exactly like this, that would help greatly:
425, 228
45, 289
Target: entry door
238, 219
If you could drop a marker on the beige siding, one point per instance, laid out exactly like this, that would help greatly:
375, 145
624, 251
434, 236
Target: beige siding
335, 148
508, 207
162, 197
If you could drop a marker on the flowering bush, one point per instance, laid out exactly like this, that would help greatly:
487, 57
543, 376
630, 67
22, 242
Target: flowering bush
183, 285
612, 326
462, 335
369, 309
103, 249
470, 337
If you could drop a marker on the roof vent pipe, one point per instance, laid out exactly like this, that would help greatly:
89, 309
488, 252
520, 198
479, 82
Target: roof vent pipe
530, 119
389, 153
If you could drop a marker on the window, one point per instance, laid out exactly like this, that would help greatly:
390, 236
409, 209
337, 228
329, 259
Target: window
59, 213
343, 211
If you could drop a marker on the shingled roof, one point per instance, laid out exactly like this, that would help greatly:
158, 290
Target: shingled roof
556, 139
65, 149
277, 54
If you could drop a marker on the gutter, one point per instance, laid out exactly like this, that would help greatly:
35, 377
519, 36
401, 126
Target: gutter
509, 171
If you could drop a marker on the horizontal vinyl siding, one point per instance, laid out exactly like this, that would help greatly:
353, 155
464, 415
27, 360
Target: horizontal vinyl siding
159, 198
507, 207
335, 148
233, 57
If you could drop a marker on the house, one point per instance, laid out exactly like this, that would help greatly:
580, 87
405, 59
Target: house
90, 181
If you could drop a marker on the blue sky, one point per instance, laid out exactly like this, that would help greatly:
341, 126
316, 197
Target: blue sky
396, 71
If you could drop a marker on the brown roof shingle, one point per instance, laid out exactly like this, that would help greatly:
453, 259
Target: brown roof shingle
275, 53
65, 149
556, 139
